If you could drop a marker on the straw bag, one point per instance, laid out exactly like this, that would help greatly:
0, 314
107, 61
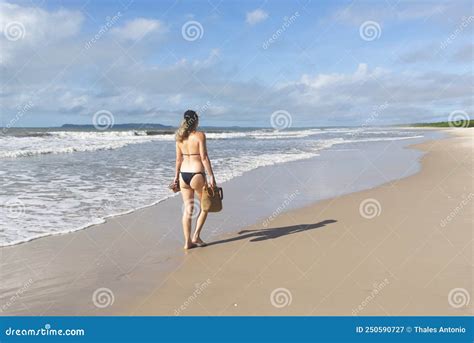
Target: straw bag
211, 200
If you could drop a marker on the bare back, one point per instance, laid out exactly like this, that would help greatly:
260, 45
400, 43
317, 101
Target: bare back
192, 150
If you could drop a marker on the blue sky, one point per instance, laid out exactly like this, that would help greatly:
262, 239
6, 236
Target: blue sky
62, 64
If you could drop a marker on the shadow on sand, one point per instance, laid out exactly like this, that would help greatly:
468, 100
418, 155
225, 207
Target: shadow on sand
264, 234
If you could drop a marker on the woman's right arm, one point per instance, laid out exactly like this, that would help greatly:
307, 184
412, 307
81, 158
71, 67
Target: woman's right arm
179, 161
205, 159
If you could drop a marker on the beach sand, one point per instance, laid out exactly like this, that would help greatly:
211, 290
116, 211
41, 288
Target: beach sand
327, 259
408, 252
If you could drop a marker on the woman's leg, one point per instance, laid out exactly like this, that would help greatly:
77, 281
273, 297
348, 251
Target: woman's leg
198, 183
188, 207
200, 223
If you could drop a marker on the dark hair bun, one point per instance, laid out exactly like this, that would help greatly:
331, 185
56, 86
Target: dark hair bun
190, 116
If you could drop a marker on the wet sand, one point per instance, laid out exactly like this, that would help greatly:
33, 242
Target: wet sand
323, 259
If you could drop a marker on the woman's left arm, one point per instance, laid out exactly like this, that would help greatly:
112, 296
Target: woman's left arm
179, 160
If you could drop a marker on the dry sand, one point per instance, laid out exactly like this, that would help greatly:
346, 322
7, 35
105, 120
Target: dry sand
414, 257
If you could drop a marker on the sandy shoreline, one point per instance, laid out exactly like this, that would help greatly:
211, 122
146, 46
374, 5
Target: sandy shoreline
326, 257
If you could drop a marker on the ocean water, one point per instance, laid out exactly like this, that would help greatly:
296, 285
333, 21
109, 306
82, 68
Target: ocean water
54, 181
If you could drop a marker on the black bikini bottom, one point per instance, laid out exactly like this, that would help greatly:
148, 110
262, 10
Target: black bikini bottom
187, 176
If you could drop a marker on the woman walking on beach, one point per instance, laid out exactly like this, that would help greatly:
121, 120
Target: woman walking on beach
192, 162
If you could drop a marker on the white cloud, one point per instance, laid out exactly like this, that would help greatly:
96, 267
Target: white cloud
138, 28
26, 28
162, 93
175, 99
362, 73
39, 24
464, 54
256, 16
217, 110
381, 12
458, 52
425, 54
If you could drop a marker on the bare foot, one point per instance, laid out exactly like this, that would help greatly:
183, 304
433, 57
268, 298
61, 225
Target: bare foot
190, 245
199, 242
